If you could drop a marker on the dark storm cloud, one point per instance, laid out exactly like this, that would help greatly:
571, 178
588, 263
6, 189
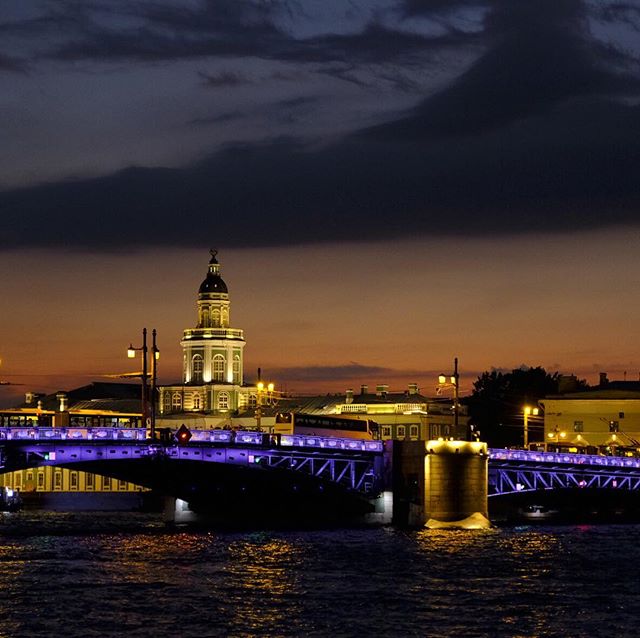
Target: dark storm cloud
11, 64
541, 57
532, 136
221, 28
222, 80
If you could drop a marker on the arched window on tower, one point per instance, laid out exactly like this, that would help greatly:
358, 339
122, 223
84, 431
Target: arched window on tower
236, 369
206, 319
215, 318
225, 317
218, 368
198, 364
223, 401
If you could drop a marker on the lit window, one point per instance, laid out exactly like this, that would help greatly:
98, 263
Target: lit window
106, 483
578, 426
57, 480
176, 402
236, 369
196, 402
198, 364
413, 431
73, 481
41, 480
218, 368
386, 431
614, 426
90, 481
223, 401
402, 431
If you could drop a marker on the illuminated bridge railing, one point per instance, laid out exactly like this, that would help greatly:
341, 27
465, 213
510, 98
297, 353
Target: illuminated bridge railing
564, 458
220, 437
354, 464
515, 471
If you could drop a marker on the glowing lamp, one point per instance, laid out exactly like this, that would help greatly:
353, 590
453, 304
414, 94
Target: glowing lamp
131, 352
442, 379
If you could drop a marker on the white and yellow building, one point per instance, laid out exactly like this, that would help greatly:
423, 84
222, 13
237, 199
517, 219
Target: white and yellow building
607, 415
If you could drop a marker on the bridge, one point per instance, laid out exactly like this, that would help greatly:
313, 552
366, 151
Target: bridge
220, 469
518, 471
253, 472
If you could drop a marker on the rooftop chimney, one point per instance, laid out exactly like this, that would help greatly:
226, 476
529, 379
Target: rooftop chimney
603, 378
413, 388
382, 389
29, 397
349, 397
364, 389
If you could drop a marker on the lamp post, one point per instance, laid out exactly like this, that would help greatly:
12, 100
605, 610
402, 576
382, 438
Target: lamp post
453, 381
155, 355
131, 353
557, 434
262, 390
528, 411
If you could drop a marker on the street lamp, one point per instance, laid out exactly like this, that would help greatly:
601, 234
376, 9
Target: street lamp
528, 411
131, 353
264, 391
453, 380
557, 434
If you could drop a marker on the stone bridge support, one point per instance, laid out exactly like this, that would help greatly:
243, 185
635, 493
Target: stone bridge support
440, 483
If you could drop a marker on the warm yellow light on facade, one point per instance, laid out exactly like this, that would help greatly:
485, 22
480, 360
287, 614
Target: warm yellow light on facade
442, 379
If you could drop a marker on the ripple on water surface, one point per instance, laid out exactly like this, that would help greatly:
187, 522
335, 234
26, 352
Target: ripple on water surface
108, 575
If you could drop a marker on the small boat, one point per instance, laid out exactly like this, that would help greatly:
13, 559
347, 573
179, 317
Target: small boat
538, 513
10, 500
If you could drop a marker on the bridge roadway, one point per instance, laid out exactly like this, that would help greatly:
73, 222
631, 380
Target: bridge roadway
516, 471
353, 465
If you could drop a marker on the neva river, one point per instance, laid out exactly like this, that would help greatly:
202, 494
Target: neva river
120, 574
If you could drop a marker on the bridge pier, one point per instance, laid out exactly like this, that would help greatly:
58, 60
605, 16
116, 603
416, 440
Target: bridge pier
440, 484
177, 512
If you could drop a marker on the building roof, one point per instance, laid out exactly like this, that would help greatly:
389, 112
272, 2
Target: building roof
213, 281
116, 394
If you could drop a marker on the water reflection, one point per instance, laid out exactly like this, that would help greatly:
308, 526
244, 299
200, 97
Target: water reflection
145, 581
266, 572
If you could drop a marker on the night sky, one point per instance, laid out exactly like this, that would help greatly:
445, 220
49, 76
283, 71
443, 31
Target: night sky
389, 183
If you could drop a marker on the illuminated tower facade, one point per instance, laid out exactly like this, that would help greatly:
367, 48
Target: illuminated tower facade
212, 351
212, 354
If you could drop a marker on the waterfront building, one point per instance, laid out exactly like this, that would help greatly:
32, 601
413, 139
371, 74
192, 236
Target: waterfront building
405, 415
96, 405
606, 415
212, 391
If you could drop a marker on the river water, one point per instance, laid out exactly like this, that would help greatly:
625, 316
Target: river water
127, 575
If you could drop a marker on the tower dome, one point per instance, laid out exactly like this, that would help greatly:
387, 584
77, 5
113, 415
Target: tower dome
213, 282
